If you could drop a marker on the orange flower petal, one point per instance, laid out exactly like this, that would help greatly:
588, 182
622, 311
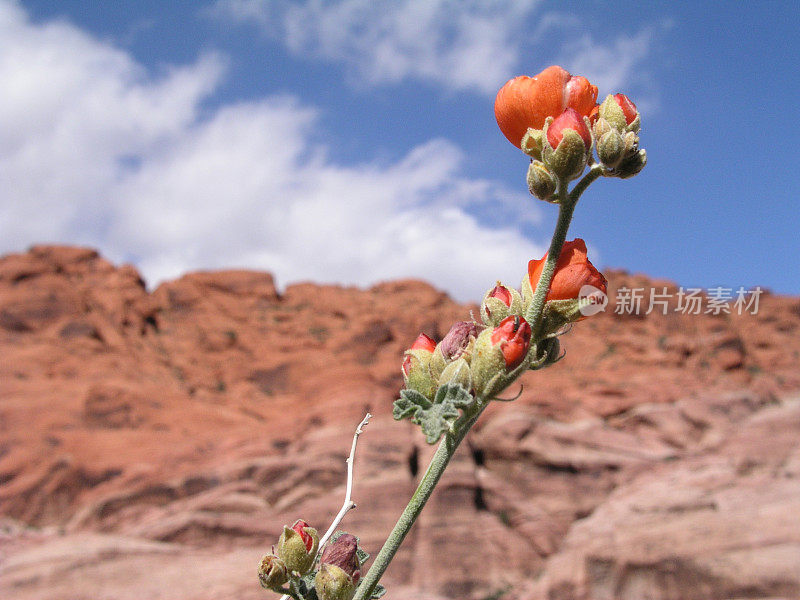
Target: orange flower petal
525, 102
573, 271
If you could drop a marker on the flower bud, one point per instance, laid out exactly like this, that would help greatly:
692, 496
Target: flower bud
458, 339
620, 113
569, 144
297, 547
458, 342
610, 148
600, 128
500, 302
532, 143
513, 335
272, 572
499, 350
457, 372
416, 366
541, 181
339, 569
569, 119
631, 165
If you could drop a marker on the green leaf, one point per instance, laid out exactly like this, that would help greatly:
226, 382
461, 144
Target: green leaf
409, 403
378, 591
435, 417
455, 394
436, 420
362, 556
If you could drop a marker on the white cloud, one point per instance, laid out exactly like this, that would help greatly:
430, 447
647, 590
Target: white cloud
97, 150
471, 45
612, 66
462, 45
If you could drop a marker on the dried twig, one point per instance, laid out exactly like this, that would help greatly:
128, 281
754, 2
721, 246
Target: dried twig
348, 503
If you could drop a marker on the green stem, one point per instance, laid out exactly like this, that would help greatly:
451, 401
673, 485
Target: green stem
291, 591
567, 203
565, 209
448, 445
445, 451
595, 171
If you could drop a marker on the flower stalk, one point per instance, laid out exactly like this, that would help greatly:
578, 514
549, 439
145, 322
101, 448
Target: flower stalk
441, 458
567, 203
449, 384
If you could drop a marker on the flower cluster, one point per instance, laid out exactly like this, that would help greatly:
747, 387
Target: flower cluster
555, 119
293, 563
483, 358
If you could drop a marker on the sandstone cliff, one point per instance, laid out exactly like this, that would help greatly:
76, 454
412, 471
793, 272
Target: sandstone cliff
152, 444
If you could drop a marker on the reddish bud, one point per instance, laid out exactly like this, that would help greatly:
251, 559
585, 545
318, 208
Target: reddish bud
343, 553
458, 339
514, 336
424, 343
628, 107
569, 119
339, 570
299, 527
297, 546
502, 293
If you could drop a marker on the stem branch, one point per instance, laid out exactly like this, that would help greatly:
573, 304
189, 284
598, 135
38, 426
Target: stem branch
348, 503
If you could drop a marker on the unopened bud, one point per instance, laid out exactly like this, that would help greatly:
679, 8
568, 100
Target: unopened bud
500, 302
272, 572
631, 165
457, 343
610, 148
620, 112
569, 143
532, 143
541, 181
339, 569
457, 372
416, 366
631, 143
297, 546
499, 350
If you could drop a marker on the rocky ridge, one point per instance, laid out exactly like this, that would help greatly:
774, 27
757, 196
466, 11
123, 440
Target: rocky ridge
152, 444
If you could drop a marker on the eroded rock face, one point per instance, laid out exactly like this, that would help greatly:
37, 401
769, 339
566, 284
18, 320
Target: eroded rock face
152, 444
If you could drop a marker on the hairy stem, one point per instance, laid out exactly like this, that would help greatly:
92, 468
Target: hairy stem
565, 209
567, 203
448, 445
445, 451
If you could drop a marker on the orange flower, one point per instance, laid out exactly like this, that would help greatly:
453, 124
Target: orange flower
573, 271
525, 102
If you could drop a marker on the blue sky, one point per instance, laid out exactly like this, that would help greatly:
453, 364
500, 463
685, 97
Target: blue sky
354, 141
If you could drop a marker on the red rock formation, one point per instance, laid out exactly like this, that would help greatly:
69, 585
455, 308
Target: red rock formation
152, 444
